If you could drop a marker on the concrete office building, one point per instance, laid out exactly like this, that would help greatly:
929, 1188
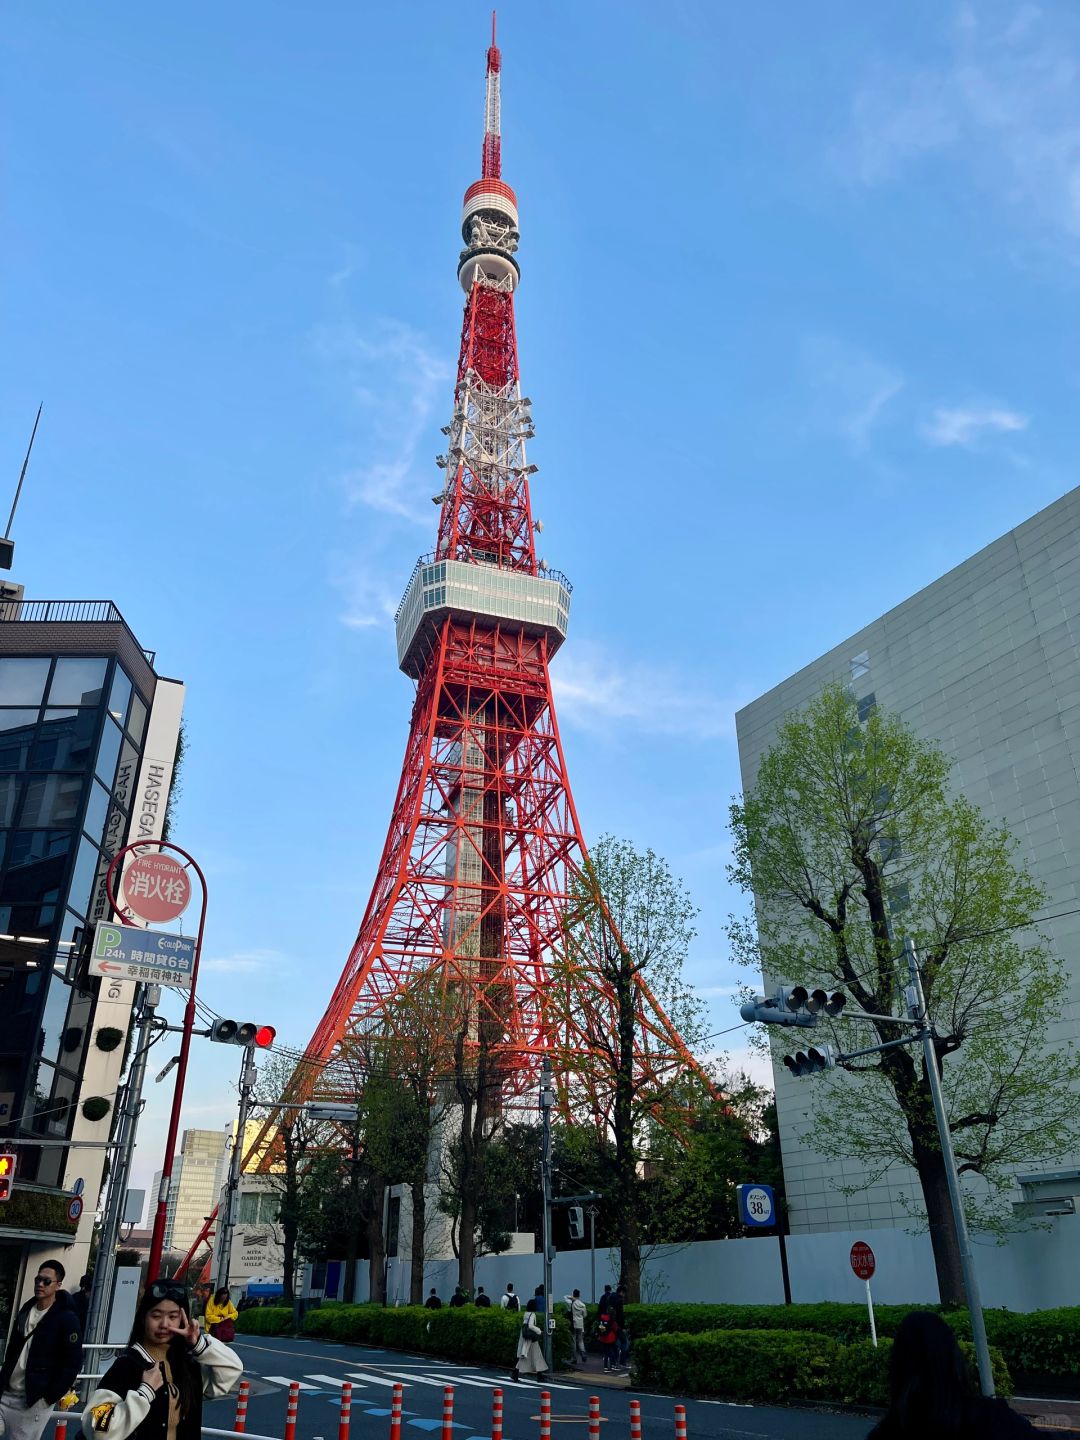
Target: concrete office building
88, 739
984, 661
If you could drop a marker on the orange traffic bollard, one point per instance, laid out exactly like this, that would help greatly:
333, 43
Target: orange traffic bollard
680, 1422
448, 1413
346, 1410
635, 1420
291, 1409
241, 1407
545, 1415
594, 1417
496, 1415
395, 1413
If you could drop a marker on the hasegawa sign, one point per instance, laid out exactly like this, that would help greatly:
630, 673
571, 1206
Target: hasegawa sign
124, 952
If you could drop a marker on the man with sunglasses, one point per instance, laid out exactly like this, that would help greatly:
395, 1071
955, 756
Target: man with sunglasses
42, 1358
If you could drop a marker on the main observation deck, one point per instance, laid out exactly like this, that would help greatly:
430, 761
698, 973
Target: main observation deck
438, 588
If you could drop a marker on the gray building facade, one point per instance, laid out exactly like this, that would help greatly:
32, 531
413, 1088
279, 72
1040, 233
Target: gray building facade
986, 662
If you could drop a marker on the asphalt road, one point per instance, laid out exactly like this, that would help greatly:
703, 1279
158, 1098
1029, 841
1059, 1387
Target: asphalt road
320, 1367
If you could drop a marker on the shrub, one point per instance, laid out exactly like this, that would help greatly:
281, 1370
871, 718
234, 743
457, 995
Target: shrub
96, 1108
776, 1365
266, 1320
466, 1334
1037, 1345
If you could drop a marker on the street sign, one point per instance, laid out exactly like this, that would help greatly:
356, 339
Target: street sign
156, 887
862, 1260
7, 1175
74, 1209
79, 1186
124, 952
757, 1205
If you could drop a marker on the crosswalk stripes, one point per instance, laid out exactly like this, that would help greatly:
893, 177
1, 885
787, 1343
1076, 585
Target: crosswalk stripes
335, 1380
287, 1380
364, 1377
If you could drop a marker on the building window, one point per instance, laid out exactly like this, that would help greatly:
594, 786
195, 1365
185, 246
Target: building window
65, 740
51, 800
119, 695
78, 681
866, 707
137, 719
889, 848
899, 898
108, 750
22, 681
860, 664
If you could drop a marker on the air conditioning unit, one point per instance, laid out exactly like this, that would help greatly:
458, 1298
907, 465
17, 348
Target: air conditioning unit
10, 600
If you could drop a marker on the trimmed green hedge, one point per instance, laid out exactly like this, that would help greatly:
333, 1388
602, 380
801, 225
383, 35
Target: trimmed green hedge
1041, 1344
774, 1365
265, 1320
489, 1336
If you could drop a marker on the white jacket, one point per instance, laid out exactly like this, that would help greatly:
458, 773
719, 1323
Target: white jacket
118, 1414
578, 1312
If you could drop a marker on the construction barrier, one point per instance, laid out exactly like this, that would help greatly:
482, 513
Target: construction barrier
545, 1415
594, 1417
635, 1420
496, 1416
680, 1422
395, 1414
241, 1406
346, 1410
291, 1409
448, 1413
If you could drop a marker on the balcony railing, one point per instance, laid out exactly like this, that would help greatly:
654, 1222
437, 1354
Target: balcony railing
86, 612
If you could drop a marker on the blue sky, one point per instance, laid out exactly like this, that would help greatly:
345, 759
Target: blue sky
798, 318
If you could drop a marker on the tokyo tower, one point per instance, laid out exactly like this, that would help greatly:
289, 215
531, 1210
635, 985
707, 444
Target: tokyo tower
484, 855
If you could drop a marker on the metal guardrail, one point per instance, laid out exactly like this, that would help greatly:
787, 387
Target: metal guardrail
79, 612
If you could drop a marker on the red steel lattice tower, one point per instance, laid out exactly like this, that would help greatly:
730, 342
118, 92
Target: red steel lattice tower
484, 845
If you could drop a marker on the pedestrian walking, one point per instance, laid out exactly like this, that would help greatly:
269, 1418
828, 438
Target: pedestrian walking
433, 1302
155, 1390
578, 1314
540, 1305
458, 1298
606, 1333
220, 1316
932, 1392
80, 1301
510, 1301
482, 1301
604, 1304
622, 1335
530, 1354
43, 1356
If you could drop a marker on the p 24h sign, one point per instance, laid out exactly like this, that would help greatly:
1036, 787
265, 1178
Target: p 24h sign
156, 887
862, 1260
124, 952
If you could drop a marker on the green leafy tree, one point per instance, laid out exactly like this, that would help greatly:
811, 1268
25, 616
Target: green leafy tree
629, 925
849, 840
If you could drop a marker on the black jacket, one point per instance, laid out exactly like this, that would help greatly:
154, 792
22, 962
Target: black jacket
985, 1419
55, 1351
124, 1404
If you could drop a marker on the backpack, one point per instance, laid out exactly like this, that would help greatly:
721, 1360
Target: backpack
513, 1303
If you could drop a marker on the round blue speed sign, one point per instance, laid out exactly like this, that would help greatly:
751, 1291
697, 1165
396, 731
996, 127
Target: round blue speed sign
757, 1205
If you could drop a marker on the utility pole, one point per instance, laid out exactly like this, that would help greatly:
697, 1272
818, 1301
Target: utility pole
547, 1100
916, 1003
592, 1213
128, 1111
227, 1226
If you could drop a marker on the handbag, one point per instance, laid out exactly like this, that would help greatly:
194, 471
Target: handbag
224, 1330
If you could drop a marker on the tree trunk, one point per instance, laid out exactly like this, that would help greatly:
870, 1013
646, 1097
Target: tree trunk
623, 1127
377, 1243
289, 1249
418, 1243
930, 1164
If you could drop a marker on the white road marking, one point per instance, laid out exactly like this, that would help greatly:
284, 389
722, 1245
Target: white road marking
378, 1380
333, 1380
287, 1380
419, 1379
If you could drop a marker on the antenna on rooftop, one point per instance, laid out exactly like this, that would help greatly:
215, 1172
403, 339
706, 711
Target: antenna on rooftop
7, 545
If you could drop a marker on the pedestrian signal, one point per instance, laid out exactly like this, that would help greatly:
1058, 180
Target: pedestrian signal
7, 1175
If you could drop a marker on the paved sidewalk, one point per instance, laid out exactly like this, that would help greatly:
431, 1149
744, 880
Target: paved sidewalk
1059, 1416
607, 1379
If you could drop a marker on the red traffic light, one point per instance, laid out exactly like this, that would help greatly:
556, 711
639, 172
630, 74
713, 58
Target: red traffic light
264, 1035
7, 1175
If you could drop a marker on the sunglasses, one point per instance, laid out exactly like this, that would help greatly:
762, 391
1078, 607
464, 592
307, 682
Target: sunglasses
44, 1280
168, 1290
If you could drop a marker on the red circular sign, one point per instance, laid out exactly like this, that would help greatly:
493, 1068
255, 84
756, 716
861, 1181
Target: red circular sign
862, 1260
74, 1209
156, 887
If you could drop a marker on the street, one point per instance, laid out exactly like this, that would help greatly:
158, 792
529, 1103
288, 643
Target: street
320, 1367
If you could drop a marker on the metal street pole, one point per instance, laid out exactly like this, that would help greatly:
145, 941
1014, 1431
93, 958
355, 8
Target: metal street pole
227, 1227
592, 1213
128, 1112
547, 1100
917, 1008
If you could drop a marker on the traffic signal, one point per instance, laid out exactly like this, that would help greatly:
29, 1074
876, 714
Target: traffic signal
792, 1005
233, 1032
811, 1060
7, 1175
576, 1217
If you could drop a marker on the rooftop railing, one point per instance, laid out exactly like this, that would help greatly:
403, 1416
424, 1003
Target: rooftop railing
85, 612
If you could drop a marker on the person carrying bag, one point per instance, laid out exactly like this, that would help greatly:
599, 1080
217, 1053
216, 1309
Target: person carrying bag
220, 1316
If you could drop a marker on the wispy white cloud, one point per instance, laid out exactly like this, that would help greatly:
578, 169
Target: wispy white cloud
852, 388
247, 962
396, 379
967, 426
593, 690
370, 601
1004, 101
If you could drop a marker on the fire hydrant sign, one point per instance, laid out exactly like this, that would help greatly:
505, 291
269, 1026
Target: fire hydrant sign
156, 887
862, 1260
124, 952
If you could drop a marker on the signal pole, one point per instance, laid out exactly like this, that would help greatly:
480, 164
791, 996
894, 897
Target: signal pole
227, 1227
129, 1109
547, 1100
